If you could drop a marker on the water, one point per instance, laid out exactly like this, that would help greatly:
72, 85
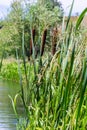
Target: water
7, 117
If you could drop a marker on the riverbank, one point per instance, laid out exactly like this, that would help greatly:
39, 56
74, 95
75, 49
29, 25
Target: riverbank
12, 70
9, 70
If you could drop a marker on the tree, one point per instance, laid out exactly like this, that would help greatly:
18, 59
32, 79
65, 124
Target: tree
39, 16
13, 29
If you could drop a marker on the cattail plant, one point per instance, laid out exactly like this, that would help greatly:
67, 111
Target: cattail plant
56, 92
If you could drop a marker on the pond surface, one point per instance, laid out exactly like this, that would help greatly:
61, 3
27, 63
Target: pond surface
7, 117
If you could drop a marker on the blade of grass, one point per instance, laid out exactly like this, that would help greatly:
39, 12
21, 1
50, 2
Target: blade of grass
80, 18
33, 48
69, 16
82, 91
21, 84
66, 93
24, 62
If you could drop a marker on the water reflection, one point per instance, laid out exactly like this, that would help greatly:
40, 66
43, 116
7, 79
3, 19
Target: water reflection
7, 117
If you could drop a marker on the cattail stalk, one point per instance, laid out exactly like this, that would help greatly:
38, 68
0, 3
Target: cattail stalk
43, 41
54, 41
33, 36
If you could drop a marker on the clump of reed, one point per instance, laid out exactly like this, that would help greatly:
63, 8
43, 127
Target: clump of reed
55, 98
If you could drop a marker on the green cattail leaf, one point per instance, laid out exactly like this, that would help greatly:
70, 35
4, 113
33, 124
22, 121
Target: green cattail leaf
80, 18
24, 61
69, 16
82, 90
70, 71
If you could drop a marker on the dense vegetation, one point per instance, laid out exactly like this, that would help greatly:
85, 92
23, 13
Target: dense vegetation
53, 85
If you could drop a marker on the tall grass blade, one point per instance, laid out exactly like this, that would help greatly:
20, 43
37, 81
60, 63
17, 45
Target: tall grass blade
82, 92
80, 18
23, 53
66, 94
33, 49
69, 16
21, 84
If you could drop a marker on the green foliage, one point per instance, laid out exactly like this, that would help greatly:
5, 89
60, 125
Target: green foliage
44, 20
10, 34
10, 72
